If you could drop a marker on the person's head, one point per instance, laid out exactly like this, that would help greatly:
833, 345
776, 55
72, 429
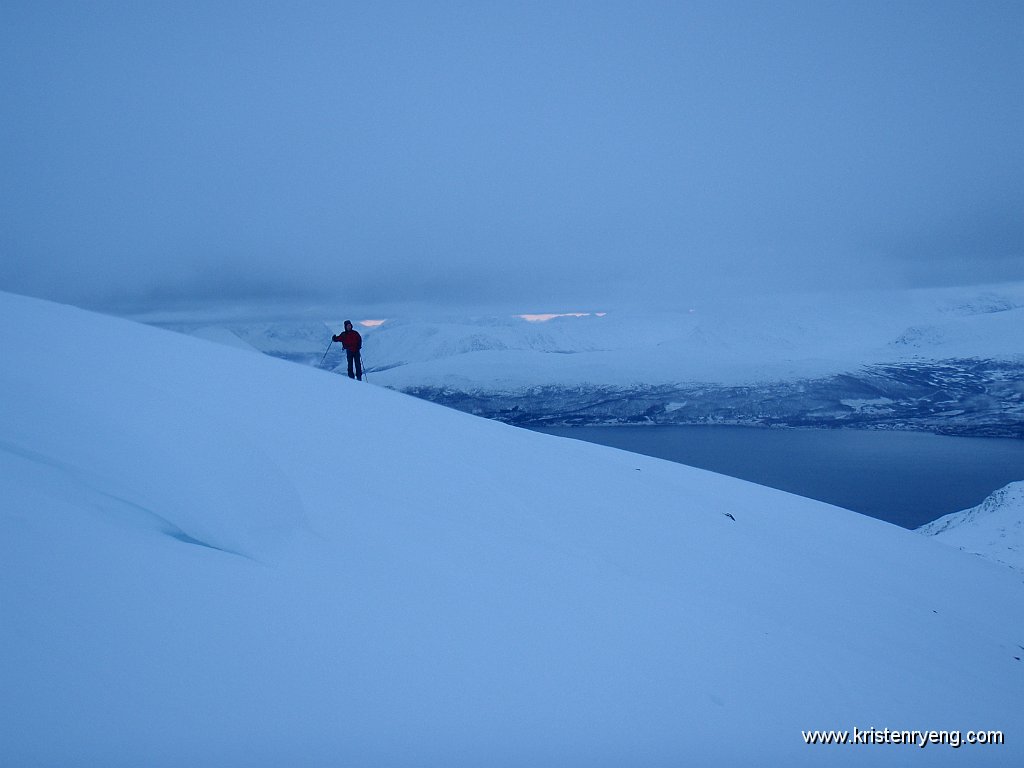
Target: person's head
348, 325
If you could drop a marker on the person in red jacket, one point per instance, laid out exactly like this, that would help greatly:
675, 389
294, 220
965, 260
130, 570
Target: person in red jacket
352, 342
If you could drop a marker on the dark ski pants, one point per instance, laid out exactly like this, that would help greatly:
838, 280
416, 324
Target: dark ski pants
354, 357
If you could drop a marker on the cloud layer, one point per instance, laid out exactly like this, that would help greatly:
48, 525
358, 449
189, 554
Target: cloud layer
547, 153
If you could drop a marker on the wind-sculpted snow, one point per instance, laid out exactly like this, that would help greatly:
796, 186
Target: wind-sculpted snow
210, 557
116, 426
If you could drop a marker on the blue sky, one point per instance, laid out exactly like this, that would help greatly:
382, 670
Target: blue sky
556, 155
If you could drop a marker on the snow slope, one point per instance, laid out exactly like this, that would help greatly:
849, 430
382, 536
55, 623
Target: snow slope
222, 336
212, 558
993, 529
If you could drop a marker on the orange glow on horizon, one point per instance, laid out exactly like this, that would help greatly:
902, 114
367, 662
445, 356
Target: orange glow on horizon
545, 316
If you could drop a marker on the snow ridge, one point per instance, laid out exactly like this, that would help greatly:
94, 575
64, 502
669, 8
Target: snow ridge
994, 529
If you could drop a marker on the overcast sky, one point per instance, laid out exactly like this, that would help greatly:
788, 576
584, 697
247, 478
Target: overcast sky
556, 155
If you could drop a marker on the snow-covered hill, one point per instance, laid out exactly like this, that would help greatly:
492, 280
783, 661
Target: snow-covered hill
993, 529
210, 557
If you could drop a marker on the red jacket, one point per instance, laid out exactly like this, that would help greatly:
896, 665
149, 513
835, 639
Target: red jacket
350, 340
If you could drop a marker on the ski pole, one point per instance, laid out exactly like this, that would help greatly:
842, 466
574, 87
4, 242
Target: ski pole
325, 354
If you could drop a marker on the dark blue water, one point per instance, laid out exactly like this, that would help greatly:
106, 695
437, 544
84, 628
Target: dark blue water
906, 478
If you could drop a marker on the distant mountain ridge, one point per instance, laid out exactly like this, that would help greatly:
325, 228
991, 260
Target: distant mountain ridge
947, 360
994, 529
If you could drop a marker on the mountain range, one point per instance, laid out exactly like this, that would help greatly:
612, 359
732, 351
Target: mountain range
945, 360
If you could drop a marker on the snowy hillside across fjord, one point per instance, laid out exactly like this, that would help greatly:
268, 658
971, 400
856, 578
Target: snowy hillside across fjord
943, 359
993, 529
742, 341
210, 557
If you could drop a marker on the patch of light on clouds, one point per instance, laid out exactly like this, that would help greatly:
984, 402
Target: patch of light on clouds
372, 323
545, 316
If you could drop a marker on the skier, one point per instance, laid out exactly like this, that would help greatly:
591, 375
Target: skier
352, 342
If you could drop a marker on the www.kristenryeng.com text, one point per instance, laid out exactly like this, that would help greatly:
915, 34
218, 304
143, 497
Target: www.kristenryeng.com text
916, 738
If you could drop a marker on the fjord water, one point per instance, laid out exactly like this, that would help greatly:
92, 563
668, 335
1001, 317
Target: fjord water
905, 478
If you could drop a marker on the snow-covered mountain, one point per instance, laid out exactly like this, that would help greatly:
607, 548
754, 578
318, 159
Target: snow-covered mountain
211, 557
729, 342
945, 360
993, 529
